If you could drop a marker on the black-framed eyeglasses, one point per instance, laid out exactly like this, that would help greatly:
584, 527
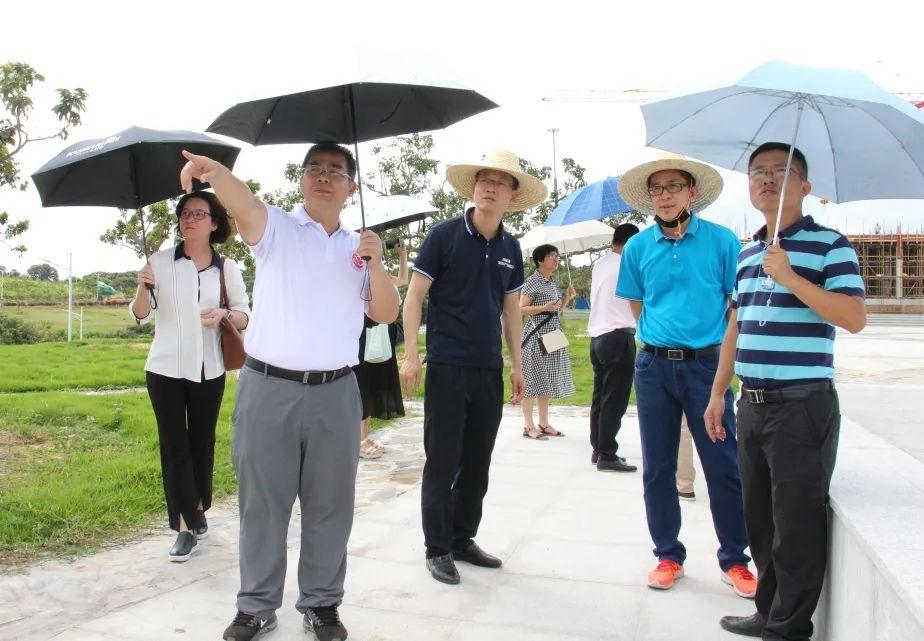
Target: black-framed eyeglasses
316, 171
194, 214
671, 188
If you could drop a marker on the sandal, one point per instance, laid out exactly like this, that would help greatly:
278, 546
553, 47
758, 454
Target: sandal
369, 449
551, 431
534, 434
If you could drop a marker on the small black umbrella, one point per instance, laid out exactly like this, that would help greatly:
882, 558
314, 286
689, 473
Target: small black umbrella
130, 169
358, 111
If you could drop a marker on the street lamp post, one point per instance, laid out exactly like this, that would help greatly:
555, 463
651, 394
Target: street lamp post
554, 131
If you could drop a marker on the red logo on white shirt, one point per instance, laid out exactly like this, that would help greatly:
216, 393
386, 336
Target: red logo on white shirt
358, 262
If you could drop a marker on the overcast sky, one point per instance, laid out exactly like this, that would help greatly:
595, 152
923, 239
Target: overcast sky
177, 65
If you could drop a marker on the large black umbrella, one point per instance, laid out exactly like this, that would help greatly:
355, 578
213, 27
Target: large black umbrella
130, 169
420, 95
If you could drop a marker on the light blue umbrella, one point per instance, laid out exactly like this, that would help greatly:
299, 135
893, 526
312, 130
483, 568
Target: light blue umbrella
593, 202
860, 141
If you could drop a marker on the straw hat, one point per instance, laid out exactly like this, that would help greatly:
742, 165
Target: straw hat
633, 185
530, 193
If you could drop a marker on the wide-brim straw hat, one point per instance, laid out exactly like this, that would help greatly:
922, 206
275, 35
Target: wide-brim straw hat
633, 185
531, 190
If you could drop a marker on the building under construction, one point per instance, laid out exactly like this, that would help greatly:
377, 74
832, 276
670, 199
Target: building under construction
892, 266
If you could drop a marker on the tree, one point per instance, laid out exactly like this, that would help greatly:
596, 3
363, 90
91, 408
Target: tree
16, 80
42, 271
142, 228
9, 230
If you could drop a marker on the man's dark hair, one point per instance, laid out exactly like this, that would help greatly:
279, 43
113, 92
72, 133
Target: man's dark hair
516, 183
623, 233
540, 253
797, 156
691, 181
333, 148
217, 212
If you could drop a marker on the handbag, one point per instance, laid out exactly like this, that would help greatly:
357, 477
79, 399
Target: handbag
232, 341
378, 344
553, 341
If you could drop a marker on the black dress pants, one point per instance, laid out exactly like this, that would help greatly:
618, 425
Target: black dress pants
462, 412
186, 414
786, 454
612, 356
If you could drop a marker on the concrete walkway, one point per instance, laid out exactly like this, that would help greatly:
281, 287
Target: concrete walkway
574, 542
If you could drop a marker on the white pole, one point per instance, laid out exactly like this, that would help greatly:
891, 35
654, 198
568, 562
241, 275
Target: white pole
81, 323
792, 146
70, 296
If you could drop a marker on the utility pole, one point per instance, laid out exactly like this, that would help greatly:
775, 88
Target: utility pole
554, 131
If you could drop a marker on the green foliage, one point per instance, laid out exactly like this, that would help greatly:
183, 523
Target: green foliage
16, 81
78, 365
9, 230
143, 230
42, 271
15, 331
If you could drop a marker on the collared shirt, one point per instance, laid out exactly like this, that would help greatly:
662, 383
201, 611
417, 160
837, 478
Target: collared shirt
309, 296
781, 341
182, 346
471, 276
683, 283
607, 313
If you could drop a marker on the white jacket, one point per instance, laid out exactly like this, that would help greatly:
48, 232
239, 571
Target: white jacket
183, 347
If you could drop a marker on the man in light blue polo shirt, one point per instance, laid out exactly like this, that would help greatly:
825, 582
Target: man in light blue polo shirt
678, 276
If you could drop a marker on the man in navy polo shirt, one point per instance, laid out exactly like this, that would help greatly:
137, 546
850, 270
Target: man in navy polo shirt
788, 299
678, 276
473, 270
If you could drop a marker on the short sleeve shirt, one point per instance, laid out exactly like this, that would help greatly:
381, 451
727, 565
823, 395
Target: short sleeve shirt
470, 277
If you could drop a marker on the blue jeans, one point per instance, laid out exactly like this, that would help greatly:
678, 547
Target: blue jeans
665, 389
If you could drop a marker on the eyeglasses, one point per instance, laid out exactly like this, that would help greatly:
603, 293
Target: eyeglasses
316, 171
490, 182
194, 214
671, 188
779, 172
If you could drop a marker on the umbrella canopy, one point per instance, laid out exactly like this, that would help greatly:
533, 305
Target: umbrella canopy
593, 202
130, 169
387, 212
383, 96
569, 238
860, 141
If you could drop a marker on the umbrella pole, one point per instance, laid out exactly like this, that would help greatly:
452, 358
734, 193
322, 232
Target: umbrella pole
144, 248
792, 146
564, 246
359, 174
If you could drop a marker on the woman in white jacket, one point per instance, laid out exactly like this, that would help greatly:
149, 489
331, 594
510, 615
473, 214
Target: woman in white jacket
185, 369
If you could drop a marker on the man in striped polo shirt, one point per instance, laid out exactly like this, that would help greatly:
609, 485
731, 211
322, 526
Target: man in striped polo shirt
788, 299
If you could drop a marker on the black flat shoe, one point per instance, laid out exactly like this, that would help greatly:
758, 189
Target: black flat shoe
751, 626
614, 465
184, 547
476, 556
443, 569
202, 530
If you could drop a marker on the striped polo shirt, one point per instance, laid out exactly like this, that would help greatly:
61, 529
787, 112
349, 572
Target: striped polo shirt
780, 340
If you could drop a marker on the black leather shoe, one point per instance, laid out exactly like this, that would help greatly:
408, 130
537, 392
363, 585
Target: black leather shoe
184, 547
202, 530
476, 556
614, 465
751, 626
325, 623
443, 569
593, 458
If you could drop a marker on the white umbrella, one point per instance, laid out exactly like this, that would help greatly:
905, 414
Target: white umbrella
576, 237
386, 212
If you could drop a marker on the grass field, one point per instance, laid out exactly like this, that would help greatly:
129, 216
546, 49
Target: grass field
97, 364
98, 320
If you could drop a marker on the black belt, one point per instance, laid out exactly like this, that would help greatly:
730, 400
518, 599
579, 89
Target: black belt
681, 353
306, 378
791, 393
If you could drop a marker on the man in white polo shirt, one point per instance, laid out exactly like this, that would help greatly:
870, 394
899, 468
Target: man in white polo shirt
612, 354
298, 404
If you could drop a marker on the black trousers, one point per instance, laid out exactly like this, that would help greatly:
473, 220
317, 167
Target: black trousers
612, 356
462, 412
186, 414
786, 454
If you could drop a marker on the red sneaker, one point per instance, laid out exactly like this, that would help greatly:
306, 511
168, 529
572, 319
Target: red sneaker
742, 581
664, 576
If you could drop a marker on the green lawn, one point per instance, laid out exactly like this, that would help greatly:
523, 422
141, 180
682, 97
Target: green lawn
80, 364
77, 471
98, 320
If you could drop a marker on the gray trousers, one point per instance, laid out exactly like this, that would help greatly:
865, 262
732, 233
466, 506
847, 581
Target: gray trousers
290, 440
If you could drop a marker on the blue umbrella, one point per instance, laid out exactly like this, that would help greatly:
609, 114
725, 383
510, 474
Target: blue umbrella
860, 141
593, 202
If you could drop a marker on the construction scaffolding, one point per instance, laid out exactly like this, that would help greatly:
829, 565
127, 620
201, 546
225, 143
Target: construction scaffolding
892, 265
